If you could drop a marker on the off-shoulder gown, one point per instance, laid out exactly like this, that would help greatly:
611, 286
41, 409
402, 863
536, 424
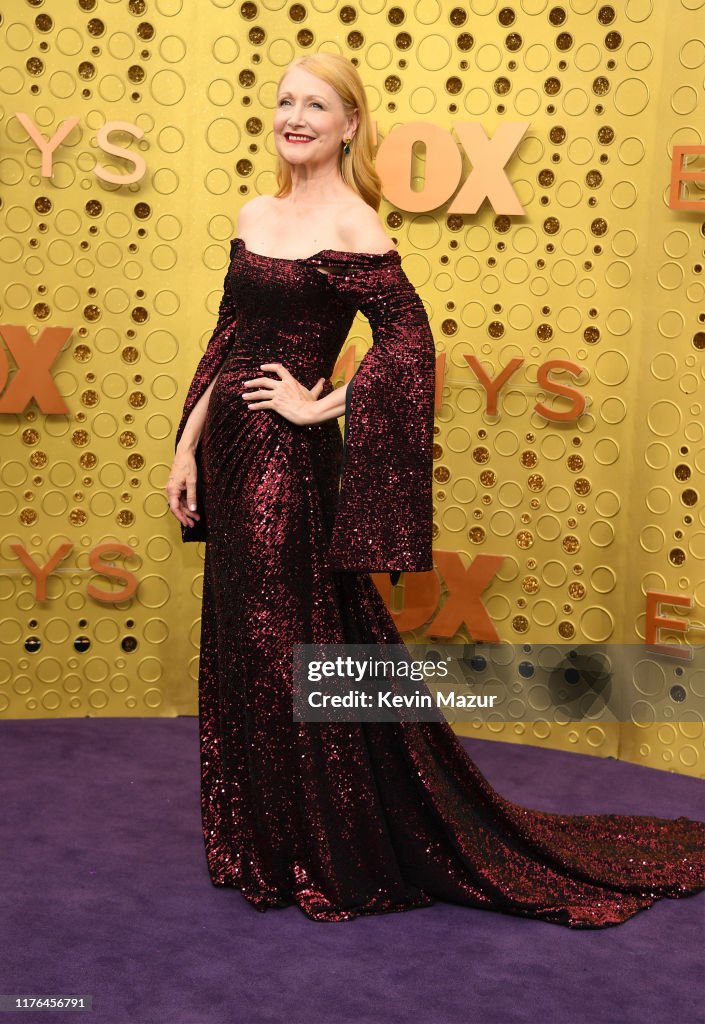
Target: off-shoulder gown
345, 819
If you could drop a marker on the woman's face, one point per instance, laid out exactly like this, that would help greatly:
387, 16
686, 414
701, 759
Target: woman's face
309, 107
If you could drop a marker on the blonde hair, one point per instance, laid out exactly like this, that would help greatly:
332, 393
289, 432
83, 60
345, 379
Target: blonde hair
356, 168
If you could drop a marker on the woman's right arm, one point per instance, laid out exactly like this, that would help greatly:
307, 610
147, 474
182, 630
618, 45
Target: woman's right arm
182, 479
181, 485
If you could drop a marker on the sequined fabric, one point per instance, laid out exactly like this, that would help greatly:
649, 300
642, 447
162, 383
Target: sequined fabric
346, 819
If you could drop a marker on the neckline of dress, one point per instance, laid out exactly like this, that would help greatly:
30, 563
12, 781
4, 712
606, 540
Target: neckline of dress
321, 252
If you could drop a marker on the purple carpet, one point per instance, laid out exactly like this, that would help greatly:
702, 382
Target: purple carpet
105, 893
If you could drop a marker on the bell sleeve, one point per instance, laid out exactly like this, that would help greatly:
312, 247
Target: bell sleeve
384, 516
210, 362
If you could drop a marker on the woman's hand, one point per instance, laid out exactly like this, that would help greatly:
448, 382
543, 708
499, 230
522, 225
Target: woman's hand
286, 396
181, 487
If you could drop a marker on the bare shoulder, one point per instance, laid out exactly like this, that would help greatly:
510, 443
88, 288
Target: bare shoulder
250, 212
364, 230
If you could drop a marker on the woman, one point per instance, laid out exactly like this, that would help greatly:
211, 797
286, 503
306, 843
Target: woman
347, 819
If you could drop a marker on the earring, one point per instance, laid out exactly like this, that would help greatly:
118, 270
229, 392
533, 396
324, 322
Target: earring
346, 146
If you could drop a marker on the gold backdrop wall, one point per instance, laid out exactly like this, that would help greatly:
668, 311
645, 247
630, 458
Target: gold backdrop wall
589, 516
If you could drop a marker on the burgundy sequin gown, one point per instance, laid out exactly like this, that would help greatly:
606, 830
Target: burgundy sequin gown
344, 819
